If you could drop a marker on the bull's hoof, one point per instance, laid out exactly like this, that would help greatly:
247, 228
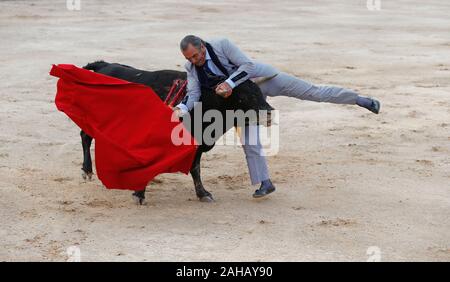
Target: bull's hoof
206, 199
139, 198
86, 175
139, 201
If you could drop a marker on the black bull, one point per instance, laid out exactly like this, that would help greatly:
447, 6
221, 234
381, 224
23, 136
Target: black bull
246, 96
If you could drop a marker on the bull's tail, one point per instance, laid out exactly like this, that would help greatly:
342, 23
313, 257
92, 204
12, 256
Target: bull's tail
95, 66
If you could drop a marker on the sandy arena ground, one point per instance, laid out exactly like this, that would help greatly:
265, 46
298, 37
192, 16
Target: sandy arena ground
346, 179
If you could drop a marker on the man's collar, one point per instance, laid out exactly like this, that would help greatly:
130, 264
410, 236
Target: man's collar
207, 56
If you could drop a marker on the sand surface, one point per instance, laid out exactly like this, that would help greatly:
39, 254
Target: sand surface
346, 179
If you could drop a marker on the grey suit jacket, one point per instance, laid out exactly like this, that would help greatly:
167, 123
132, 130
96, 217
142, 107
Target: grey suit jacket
239, 66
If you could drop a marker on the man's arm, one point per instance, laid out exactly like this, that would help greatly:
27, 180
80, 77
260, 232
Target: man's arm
192, 91
246, 66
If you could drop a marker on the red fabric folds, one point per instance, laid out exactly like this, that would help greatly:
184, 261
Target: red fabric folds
131, 126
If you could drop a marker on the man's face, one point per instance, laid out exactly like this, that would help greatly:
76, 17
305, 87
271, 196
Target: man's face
194, 55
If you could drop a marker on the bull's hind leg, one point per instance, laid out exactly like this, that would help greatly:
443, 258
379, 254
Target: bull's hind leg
139, 197
86, 142
202, 194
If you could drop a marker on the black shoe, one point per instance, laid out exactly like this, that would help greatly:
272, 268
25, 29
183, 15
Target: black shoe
375, 107
265, 189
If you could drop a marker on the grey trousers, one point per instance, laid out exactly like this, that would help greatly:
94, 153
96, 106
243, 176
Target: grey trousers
256, 162
287, 85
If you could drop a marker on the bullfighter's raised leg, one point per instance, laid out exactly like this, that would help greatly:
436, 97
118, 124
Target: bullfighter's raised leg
287, 85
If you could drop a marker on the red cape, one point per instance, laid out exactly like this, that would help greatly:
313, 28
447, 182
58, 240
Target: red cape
130, 124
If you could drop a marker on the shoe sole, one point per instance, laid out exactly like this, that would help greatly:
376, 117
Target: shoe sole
377, 108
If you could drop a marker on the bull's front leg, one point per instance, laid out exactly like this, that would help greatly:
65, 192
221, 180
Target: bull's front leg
86, 142
202, 194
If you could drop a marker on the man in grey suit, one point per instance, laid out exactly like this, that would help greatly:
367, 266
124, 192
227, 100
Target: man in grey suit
221, 64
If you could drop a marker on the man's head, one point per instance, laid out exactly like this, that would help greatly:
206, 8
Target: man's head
193, 49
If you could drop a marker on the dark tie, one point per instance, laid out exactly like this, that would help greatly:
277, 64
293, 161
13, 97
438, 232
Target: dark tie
208, 71
213, 79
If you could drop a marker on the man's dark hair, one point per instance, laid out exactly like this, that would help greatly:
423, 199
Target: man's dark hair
191, 39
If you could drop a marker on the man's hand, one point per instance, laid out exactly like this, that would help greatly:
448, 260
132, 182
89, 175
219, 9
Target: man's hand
224, 90
177, 111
